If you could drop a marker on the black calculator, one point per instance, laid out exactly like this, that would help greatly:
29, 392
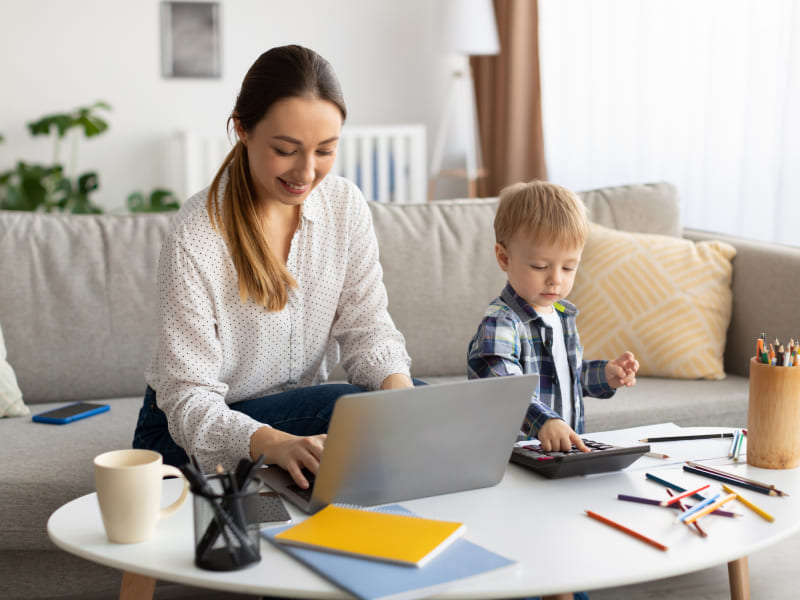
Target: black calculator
602, 458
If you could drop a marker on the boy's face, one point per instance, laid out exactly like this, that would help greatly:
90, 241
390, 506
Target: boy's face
541, 273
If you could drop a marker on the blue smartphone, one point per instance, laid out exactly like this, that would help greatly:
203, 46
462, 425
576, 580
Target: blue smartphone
70, 412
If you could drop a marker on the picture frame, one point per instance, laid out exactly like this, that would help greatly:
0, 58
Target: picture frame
190, 40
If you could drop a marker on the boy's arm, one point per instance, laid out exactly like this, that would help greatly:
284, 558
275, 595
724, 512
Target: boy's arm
494, 352
594, 381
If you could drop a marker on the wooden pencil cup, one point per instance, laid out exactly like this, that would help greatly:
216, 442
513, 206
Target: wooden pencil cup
773, 416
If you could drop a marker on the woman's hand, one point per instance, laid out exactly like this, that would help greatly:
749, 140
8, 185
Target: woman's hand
397, 380
291, 452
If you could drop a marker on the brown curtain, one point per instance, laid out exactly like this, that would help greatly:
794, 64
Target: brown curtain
508, 95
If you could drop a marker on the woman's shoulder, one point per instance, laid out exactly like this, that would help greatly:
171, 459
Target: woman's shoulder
192, 225
337, 197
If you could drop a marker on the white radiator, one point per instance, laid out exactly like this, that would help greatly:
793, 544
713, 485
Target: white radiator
388, 162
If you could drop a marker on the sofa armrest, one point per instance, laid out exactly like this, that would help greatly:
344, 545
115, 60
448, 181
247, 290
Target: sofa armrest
766, 295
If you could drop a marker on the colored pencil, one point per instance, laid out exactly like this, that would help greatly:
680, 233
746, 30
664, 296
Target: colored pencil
677, 488
679, 438
756, 509
725, 477
697, 507
626, 530
656, 455
696, 525
738, 450
683, 495
709, 508
640, 500
666, 483
732, 448
733, 476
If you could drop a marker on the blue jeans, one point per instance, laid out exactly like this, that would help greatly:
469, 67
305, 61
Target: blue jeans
302, 411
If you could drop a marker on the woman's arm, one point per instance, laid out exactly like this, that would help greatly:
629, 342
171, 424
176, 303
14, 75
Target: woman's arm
372, 347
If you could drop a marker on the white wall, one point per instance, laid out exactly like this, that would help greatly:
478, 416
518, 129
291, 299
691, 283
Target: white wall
56, 55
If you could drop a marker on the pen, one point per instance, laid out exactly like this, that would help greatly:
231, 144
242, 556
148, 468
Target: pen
678, 438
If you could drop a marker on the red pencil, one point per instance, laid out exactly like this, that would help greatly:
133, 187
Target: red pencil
683, 508
624, 529
683, 495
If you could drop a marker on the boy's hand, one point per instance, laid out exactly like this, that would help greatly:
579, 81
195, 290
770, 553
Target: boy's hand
622, 371
556, 436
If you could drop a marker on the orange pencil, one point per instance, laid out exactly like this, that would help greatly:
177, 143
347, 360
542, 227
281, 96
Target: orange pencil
624, 529
683, 508
710, 508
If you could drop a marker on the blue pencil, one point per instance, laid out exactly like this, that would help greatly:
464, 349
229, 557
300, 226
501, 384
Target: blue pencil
677, 488
719, 512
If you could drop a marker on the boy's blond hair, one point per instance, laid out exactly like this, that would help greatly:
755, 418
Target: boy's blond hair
551, 213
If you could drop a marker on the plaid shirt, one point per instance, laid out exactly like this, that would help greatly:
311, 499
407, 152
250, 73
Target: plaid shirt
509, 342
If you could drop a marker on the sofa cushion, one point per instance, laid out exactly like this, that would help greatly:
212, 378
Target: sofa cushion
11, 404
668, 300
77, 302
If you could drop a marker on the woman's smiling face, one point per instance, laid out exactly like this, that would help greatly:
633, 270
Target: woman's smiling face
292, 148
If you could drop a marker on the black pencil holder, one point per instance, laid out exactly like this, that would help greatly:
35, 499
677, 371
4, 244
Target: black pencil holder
226, 529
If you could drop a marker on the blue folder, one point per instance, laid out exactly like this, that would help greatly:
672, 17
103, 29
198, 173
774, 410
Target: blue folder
376, 580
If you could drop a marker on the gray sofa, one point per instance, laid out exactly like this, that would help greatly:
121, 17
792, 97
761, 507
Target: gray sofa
77, 300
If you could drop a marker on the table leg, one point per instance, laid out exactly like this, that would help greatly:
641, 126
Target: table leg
739, 579
136, 587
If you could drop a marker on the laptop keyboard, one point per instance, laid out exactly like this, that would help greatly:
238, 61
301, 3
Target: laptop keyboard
602, 458
304, 494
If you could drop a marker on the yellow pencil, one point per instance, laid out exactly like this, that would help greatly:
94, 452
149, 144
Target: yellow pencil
710, 508
759, 511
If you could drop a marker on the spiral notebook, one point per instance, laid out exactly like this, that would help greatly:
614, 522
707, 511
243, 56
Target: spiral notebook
377, 535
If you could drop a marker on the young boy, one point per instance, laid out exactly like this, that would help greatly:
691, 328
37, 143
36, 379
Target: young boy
541, 229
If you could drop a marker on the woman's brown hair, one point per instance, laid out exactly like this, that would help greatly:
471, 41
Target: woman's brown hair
283, 72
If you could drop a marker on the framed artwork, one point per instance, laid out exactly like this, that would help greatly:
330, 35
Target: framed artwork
190, 45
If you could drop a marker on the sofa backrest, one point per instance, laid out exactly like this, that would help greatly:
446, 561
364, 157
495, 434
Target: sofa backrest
78, 292
440, 269
78, 301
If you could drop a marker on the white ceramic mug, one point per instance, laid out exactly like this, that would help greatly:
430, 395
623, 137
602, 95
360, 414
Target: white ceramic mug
128, 486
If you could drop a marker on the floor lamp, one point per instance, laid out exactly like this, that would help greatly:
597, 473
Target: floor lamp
467, 28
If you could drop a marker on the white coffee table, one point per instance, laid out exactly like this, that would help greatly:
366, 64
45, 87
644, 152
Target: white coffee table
540, 523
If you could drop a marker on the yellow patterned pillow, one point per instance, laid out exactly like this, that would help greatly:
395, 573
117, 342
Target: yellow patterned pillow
668, 300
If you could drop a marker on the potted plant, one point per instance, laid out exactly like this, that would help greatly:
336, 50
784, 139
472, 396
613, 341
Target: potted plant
31, 186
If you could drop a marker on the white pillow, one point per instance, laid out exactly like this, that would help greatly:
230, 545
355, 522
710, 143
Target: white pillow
11, 404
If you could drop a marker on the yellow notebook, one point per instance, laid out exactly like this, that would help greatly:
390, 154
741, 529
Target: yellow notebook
391, 537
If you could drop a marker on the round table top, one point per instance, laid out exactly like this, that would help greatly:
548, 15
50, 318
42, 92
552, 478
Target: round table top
540, 523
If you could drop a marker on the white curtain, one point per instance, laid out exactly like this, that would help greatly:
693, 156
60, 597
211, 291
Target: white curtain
704, 94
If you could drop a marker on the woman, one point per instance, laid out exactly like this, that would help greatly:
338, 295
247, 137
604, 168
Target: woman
266, 280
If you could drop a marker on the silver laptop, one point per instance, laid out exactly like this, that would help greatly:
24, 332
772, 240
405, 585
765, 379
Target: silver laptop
394, 445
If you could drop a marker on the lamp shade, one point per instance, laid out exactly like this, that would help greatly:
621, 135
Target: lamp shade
468, 27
